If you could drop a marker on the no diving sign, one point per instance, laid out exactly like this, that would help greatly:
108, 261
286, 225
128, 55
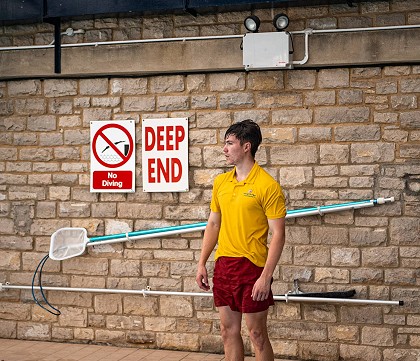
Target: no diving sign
112, 157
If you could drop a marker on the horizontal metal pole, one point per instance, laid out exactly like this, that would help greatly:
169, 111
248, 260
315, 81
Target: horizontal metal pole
148, 292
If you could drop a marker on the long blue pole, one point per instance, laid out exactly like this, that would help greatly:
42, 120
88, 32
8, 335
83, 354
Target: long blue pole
202, 225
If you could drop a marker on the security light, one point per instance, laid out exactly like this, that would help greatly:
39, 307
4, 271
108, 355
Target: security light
252, 23
281, 22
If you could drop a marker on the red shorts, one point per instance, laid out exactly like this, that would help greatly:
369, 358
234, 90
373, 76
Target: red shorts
233, 280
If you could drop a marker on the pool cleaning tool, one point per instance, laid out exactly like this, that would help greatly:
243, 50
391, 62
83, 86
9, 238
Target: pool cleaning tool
288, 297
71, 242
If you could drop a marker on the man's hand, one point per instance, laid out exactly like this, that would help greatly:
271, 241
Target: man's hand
261, 289
202, 278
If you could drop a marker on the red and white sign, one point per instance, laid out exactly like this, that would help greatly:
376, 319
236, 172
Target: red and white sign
112, 158
165, 155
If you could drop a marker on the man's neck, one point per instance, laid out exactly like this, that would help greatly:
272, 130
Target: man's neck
243, 169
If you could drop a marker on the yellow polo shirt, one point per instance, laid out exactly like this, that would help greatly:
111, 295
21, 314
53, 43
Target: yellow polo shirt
245, 207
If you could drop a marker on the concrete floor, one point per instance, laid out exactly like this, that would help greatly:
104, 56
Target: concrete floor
18, 350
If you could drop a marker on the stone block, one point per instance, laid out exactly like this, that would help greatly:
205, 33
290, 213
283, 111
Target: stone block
178, 341
340, 115
292, 116
360, 353
140, 337
86, 266
160, 324
8, 329
294, 155
60, 87
172, 102
220, 119
297, 235
301, 330
307, 255
176, 307
265, 80
236, 100
365, 237
400, 276
279, 135
211, 343
124, 322
314, 134
83, 334
276, 99
361, 314
364, 275
377, 336
15, 311
304, 79
331, 275
167, 84
9, 260
125, 268
380, 257
347, 257
128, 86
227, 82
42, 123
138, 104
203, 102
62, 333
98, 86
319, 351
70, 209
142, 211
334, 153
139, 305
343, 333
357, 133
109, 336
404, 231
350, 96
24, 87
33, 331
329, 235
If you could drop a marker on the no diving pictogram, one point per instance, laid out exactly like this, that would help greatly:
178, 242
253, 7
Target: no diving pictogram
112, 145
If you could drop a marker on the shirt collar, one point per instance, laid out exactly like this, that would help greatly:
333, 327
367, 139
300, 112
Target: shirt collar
250, 179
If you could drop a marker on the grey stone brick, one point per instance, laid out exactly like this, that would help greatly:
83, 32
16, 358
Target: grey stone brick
332, 115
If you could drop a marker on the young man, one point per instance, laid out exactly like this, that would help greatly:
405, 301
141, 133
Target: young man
246, 204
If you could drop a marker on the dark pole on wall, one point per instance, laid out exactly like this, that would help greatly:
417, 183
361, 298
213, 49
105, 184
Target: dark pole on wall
57, 45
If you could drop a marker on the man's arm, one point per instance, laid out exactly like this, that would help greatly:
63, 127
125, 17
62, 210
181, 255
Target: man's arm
262, 286
211, 235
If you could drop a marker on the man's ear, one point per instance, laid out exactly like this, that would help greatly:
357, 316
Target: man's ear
247, 146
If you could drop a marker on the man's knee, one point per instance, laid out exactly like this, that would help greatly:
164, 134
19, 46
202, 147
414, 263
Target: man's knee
229, 331
259, 338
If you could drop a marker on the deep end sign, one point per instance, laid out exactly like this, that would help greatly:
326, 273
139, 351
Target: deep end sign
165, 155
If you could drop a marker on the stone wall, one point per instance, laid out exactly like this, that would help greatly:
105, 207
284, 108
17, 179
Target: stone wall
330, 136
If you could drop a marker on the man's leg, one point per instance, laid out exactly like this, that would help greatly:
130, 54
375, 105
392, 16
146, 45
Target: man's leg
230, 325
257, 327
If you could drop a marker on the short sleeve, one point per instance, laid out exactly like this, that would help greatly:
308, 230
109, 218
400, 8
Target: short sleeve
274, 202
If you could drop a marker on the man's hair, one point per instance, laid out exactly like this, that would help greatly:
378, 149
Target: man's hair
246, 131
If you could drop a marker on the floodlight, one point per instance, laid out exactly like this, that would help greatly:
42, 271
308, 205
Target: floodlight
281, 22
252, 23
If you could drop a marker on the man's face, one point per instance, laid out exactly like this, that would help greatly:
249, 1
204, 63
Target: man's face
233, 150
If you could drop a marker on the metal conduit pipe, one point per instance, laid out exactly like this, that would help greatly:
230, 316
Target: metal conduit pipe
195, 38
147, 292
124, 42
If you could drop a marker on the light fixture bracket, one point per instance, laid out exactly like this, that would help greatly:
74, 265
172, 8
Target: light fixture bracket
267, 51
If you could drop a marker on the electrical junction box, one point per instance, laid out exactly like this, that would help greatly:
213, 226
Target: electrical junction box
267, 51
